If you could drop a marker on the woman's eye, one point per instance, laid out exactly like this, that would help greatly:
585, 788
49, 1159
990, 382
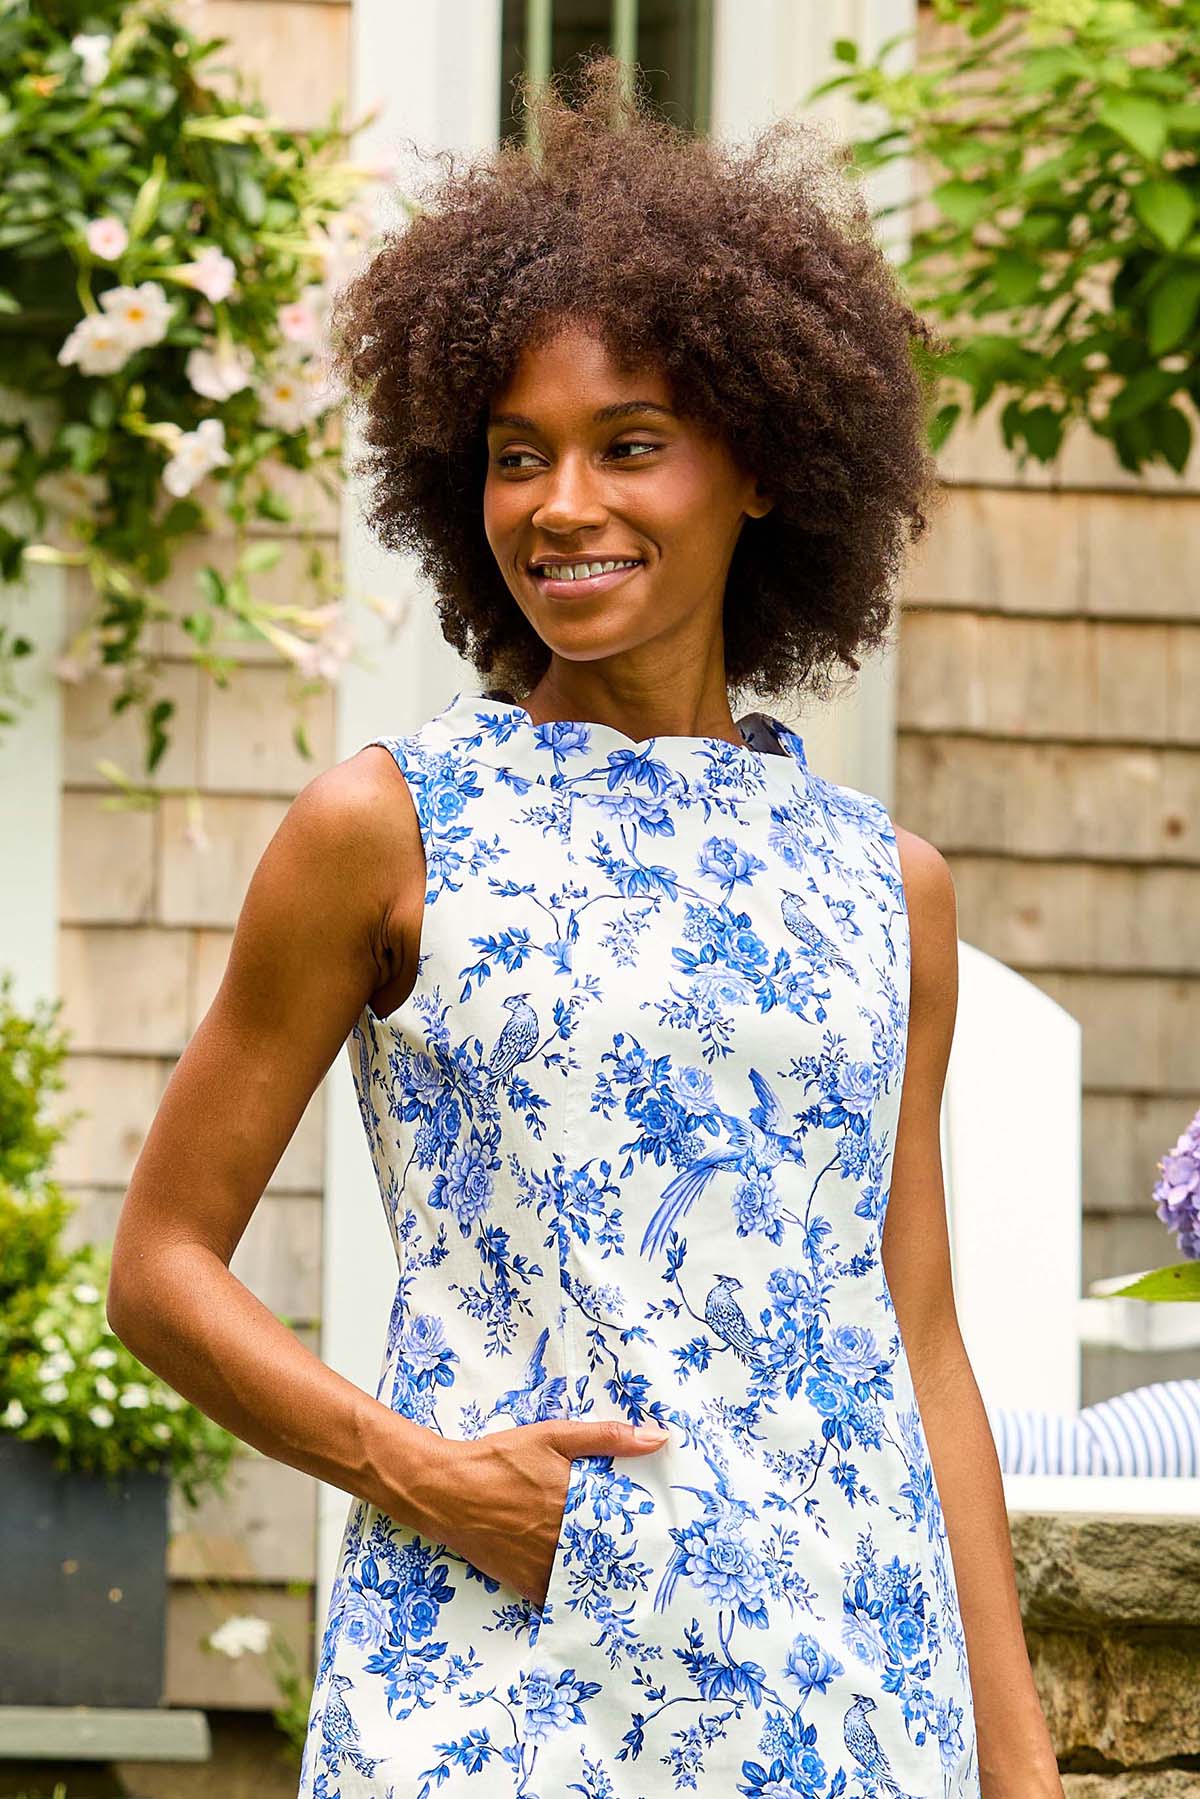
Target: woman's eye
635, 444
512, 458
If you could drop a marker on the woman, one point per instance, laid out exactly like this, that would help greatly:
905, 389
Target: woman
646, 1499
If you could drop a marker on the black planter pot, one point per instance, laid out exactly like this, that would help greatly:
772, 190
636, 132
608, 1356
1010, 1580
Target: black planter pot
83, 1583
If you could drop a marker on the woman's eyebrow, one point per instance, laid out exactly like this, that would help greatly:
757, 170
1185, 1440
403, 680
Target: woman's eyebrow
618, 409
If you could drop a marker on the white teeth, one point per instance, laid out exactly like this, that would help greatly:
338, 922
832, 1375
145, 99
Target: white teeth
570, 571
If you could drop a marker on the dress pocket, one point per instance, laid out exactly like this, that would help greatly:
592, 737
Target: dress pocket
556, 1590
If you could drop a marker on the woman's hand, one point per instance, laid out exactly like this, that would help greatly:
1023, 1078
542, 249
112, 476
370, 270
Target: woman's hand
501, 1497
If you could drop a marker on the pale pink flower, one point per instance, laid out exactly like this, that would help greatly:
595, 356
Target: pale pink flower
299, 323
212, 274
107, 238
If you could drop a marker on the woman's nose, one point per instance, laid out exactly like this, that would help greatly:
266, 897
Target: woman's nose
569, 497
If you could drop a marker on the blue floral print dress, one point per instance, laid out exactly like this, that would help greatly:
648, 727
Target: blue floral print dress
633, 1129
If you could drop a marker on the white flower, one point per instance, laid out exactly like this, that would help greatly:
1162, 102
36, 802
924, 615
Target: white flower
99, 344
197, 453
107, 238
220, 373
106, 1388
212, 274
173, 1401
85, 1294
143, 312
135, 1397
13, 1415
54, 1395
292, 394
238, 1634
93, 52
53, 1341
55, 1366
100, 1416
102, 1358
68, 491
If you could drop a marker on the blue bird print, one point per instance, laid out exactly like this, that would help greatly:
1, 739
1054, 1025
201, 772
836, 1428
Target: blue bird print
341, 1732
757, 1145
809, 933
726, 1318
516, 1041
537, 1398
865, 1747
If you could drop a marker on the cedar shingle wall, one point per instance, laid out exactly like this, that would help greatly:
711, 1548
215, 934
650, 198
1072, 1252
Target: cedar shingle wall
1049, 745
146, 924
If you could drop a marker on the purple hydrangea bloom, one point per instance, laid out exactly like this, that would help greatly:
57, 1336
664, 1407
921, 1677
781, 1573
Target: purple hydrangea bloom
1177, 1191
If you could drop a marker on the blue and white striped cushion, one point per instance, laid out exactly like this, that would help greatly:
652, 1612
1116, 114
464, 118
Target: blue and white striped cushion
1153, 1430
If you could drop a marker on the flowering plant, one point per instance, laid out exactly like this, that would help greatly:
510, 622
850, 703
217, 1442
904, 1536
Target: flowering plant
1177, 1203
167, 254
70, 1381
64, 1377
243, 1633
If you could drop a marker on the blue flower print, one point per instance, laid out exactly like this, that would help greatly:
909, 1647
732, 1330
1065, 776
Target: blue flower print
634, 1130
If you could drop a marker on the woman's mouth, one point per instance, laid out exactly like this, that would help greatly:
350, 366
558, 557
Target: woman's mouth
575, 579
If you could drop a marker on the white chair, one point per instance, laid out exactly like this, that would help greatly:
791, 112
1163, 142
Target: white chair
1011, 1154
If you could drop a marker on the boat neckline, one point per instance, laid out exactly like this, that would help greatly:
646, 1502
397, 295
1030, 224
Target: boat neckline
604, 734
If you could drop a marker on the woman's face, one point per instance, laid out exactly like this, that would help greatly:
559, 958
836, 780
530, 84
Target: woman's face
589, 463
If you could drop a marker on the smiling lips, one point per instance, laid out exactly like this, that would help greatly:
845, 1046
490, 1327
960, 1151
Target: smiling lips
577, 578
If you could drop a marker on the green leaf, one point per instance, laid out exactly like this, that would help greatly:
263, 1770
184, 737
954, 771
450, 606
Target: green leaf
1172, 312
259, 558
251, 200
1043, 429
212, 586
965, 202
1140, 122
1015, 278
145, 207
85, 446
1046, 68
1172, 433
845, 50
1180, 1280
272, 505
1166, 208
1142, 391
943, 423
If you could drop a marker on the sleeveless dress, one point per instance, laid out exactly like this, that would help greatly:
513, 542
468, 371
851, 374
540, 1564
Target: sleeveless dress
633, 1130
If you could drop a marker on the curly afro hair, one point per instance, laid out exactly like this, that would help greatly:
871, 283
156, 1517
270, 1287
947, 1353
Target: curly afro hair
749, 276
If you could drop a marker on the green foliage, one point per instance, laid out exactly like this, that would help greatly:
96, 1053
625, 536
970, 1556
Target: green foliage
1060, 140
65, 1378
1181, 1280
134, 164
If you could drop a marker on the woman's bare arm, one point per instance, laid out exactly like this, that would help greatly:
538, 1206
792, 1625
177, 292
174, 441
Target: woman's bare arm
1016, 1757
321, 930
332, 917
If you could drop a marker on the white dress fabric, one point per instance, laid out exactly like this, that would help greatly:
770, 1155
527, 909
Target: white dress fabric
633, 1130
